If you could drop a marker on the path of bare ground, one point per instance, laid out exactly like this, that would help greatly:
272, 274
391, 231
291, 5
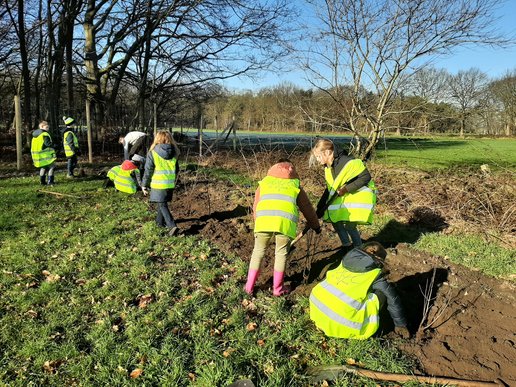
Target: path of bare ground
473, 336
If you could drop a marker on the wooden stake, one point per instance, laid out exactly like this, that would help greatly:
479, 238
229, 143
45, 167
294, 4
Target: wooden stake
59, 194
18, 125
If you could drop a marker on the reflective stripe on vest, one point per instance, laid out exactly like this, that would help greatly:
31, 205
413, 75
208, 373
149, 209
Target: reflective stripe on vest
351, 207
164, 176
342, 305
68, 150
276, 210
124, 182
41, 157
113, 172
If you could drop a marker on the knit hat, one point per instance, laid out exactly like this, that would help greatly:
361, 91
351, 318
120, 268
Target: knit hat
68, 120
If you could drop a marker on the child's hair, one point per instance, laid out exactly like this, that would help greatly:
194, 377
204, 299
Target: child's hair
375, 249
164, 137
42, 124
321, 145
121, 139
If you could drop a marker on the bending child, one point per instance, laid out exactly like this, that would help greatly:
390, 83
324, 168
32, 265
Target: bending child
161, 172
350, 194
126, 177
276, 217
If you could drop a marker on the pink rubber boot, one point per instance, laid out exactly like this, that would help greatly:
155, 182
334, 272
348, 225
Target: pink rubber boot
277, 284
252, 275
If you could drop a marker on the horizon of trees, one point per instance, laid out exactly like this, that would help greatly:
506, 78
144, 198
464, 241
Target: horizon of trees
147, 63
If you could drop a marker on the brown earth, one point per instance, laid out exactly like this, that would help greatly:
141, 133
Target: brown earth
469, 330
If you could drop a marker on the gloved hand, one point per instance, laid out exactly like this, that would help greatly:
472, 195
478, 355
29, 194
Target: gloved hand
145, 191
403, 332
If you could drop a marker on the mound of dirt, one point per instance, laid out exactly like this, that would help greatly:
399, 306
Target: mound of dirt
468, 329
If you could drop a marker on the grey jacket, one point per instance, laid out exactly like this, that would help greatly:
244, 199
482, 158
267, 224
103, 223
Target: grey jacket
358, 261
354, 184
168, 152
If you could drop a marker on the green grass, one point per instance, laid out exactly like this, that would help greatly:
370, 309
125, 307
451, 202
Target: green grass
446, 152
74, 272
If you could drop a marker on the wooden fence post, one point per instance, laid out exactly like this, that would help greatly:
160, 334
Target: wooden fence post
88, 130
18, 125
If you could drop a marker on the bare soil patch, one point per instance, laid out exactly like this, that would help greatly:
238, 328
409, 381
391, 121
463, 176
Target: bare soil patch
472, 336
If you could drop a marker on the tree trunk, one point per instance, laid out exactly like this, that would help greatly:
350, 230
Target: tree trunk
92, 69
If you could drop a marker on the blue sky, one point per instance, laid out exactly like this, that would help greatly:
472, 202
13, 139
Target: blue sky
495, 62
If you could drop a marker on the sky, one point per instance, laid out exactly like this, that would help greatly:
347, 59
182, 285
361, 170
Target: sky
495, 62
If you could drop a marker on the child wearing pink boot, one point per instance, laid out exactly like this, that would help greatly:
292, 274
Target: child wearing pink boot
276, 215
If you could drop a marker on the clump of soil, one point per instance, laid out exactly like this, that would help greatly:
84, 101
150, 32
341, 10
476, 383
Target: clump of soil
468, 331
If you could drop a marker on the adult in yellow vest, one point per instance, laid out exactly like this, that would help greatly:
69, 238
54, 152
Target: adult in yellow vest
71, 145
348, 302
126, 177
43, 153
275, 209
161, 172
350, 195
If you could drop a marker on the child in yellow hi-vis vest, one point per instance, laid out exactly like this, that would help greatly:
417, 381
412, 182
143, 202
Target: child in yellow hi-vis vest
276, 216
350, 195
43, 153
161, 172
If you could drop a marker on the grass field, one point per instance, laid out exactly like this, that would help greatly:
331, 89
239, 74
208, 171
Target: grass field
435, 153
93, 294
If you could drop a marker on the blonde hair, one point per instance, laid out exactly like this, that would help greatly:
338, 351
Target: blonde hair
164, 137
42, 124
321, 145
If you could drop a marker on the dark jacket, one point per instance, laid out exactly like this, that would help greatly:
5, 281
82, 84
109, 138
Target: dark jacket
168, 152
352, 185
358, 261
47, 141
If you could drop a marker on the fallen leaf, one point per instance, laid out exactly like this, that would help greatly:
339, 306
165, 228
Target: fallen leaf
135, 373
228, 352
260, 342
251, 326
145, 300
121, 369
32, 313
192, 376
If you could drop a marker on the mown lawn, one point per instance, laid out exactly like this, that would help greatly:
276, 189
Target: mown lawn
447, 152
93, 294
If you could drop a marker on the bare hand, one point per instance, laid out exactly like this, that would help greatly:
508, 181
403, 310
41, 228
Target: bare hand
145, 191
342, 190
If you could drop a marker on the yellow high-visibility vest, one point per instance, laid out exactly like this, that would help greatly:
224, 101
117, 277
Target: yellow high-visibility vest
342, 306
124, 182
352, 206
113, 172
41, 157
68, 151
164, 176
276, 210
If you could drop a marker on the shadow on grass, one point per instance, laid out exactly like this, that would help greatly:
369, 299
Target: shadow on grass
412, 144
422, 220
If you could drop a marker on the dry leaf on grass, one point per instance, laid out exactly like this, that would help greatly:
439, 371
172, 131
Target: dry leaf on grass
260, 342
145, 300
135, 373
251, 326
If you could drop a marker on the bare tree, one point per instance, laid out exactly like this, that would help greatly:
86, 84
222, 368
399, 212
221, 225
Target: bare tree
504, 92
371, 44
466, 88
